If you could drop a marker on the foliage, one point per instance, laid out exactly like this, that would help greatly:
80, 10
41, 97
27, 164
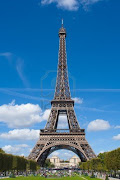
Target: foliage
19, 163
92, 176
106, 178
1, 150
48, 164
12, 176
32, 165
102, 155
11, 162
5, 162
64, 161
112, 160
104, 161
95, 164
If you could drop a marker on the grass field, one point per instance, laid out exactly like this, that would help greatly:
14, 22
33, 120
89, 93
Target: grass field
63, 178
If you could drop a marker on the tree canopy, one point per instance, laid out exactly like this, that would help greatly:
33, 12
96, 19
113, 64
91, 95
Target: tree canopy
11, 162
104, 161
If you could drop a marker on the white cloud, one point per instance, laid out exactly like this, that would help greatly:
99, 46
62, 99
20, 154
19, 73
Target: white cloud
66, 4
24, 115
22, 145
117, 127
15, 149
116, 137
68, 154
78, 100
87, 3
62, 122
98, 125
21, 134
71, 5
63, 154
56, 153
102, 151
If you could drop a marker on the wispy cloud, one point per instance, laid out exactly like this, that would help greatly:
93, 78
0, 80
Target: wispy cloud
71, 5
13, 92
72, 90
18, 64
97, 90
117, 127
6, 55
87, 3
83, 108
23, 93
19, 68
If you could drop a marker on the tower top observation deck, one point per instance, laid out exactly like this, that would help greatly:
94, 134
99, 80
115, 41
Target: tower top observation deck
62, 30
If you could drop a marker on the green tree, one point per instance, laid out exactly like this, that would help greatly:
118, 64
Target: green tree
112, 160
14, 163
102, 155
32, 165
19, 163
83, 166
104, 161
1, 150
6, 160
1, 161
97, 164
88, 165
48, 164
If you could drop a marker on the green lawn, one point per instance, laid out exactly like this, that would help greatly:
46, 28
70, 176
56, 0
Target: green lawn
63, 178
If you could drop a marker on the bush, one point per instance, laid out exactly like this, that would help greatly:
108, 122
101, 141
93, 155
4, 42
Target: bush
92, 176
106, 178
12, 176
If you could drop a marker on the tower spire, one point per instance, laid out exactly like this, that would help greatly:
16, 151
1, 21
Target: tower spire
62, 91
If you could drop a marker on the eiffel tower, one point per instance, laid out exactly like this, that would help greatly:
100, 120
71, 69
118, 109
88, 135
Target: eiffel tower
51, 138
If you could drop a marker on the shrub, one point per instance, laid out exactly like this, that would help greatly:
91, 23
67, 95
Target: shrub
12, 176
92, 176
106, 178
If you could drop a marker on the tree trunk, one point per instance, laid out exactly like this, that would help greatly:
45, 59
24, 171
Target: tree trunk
115, 173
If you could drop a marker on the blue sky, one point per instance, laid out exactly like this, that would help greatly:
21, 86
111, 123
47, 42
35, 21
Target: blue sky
28, 63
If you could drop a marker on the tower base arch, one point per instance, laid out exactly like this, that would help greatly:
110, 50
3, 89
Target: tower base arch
52, 141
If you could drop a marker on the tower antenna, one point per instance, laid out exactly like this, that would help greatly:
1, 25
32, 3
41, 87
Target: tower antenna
62, 22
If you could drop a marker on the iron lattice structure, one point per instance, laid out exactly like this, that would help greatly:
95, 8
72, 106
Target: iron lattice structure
51, 138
